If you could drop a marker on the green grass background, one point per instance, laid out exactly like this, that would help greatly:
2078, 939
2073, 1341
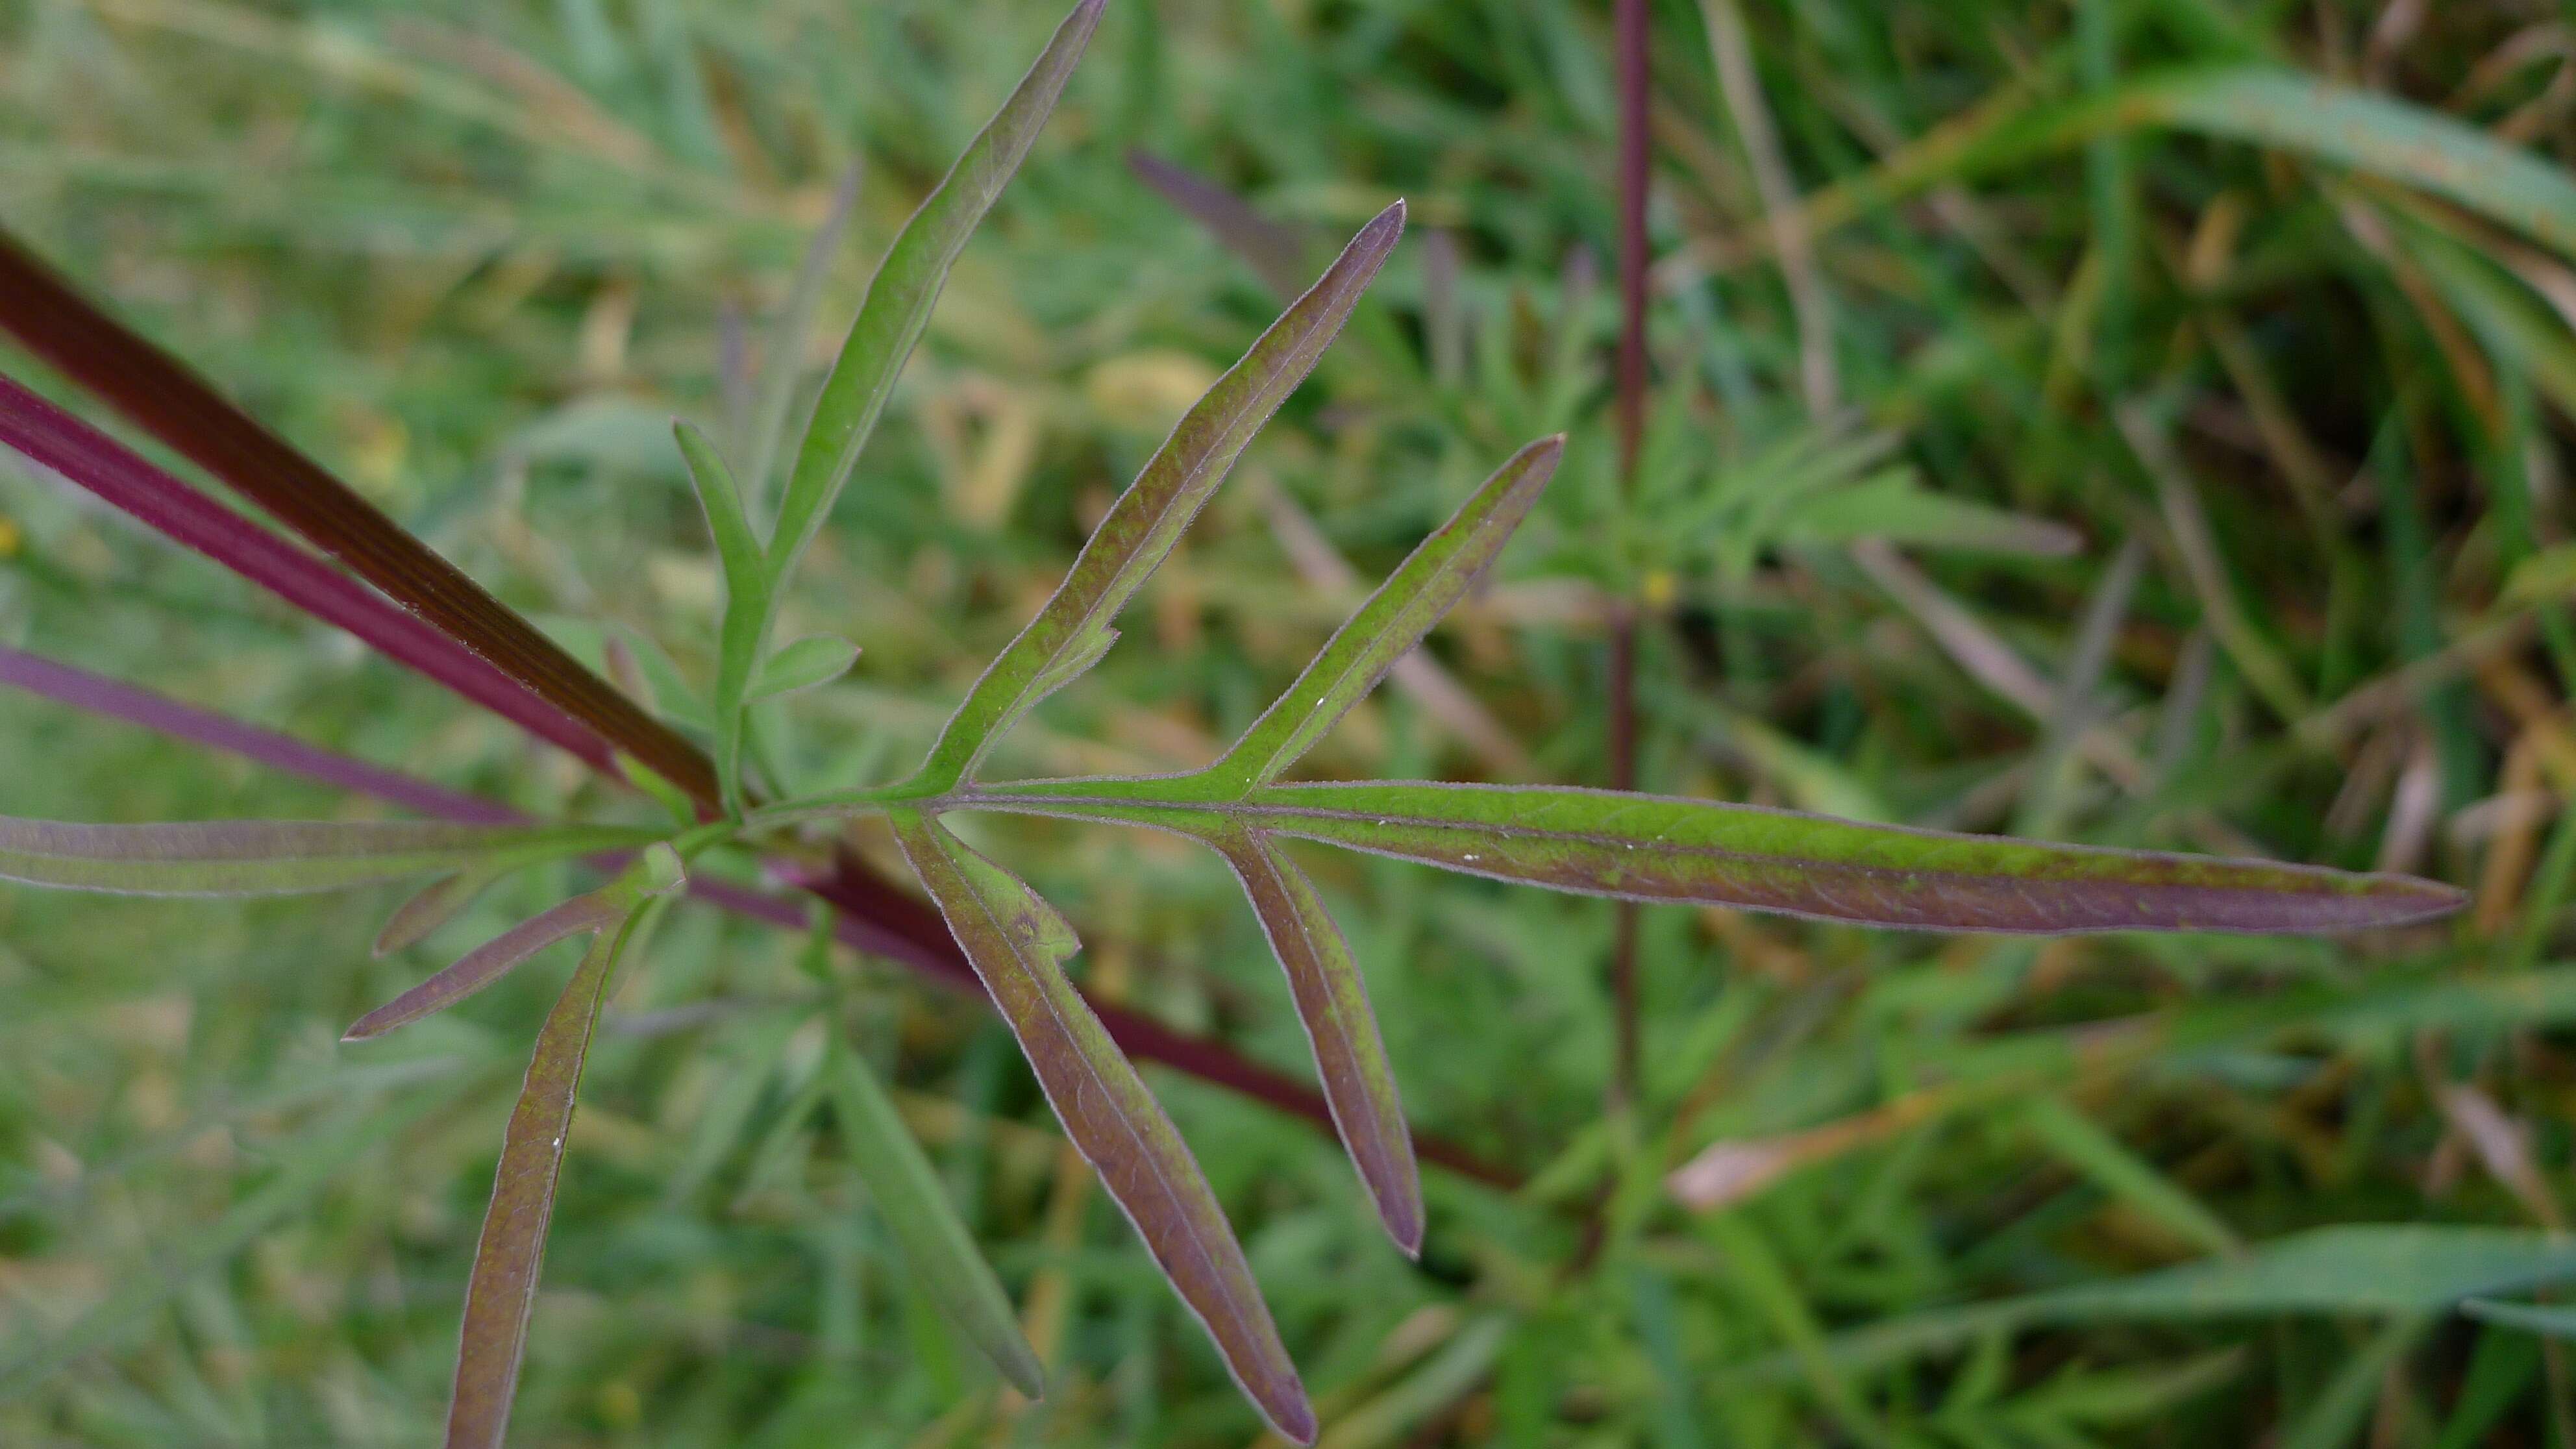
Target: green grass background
473, 257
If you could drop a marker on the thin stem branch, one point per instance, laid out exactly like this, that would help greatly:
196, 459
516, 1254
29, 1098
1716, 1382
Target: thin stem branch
1633, 171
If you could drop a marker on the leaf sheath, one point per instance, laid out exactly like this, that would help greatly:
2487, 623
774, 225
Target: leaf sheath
1018, 945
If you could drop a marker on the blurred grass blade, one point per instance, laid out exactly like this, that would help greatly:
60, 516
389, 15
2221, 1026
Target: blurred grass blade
784, 362
2080, 1144
1660, 848
2365, 130
489, 962
434, 906
272, 857
1018, 945
2550, 1320
907, 283
816, 659
1280, 255
503, 1286
2380, 1269
746, 602
1415, 597
1074, 626
1332, 1001
937, 1248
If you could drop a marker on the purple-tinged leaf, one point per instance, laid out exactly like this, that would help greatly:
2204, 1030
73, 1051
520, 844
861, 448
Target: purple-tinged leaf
92, 460
272, 857
1018, 945
1659, 848
490, 961
1416, 596
162, 396
503, 1286
1073, 629
1350, 1057
436, 904
1280, 254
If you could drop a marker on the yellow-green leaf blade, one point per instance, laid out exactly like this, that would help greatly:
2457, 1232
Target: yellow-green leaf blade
1414, 598
937, 1247
1332, 1001
1071, 630
1018, 944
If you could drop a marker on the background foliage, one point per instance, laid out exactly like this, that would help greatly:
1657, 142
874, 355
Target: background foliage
474, 257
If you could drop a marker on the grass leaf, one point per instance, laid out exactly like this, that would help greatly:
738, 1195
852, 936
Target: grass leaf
1073, 628
816, 659
1416, 596
907, 283
1018, 945
937, 1247
273, 857
503, 1286
1332, 1001
1660, 848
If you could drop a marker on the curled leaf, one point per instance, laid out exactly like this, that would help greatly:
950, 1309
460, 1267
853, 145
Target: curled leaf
273, 857
1073, 629
1018, 945
1350, 1057
937, 1248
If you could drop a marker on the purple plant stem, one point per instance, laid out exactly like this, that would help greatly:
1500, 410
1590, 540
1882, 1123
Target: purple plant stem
122, 478
857, 924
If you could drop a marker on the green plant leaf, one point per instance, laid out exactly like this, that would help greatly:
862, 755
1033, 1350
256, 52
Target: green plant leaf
1073, 629
1659, 848
899, 298
2549, 1320
937, 1247
1415, 597
746, 606
816, 659
275, 857
503, 1285
1332, 1001
1018, 945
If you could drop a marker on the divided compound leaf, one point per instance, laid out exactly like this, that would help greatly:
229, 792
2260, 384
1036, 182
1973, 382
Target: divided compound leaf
1018, 945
